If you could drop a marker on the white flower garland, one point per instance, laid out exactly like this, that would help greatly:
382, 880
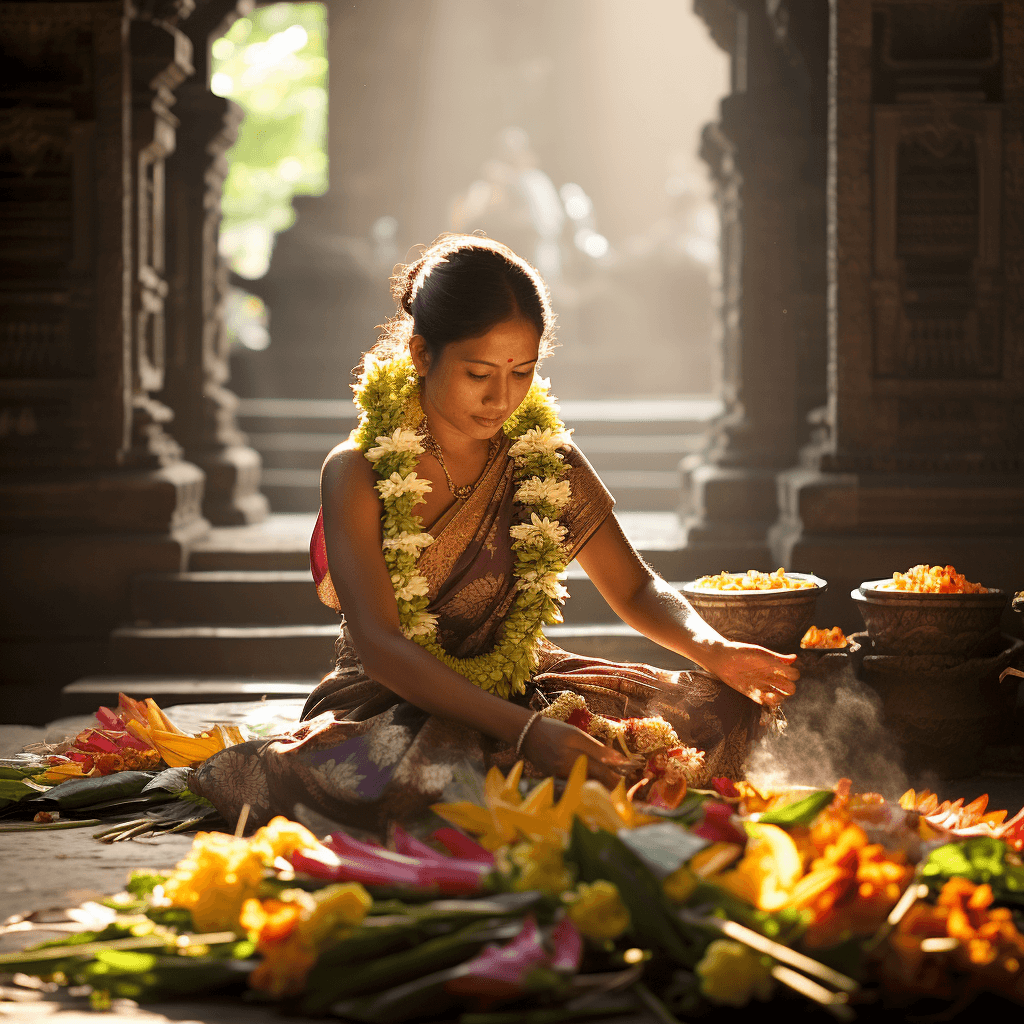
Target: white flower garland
388, 395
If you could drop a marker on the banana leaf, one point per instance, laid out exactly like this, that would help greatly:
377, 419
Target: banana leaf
497, 975
653, 921
149, 977
801, 812
97, 790
407, 964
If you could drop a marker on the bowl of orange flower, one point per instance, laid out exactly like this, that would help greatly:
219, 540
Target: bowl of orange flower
773, 609
929, 609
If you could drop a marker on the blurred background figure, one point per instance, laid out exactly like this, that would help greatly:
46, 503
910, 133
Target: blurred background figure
569, 130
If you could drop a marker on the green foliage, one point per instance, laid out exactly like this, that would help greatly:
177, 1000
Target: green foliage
981, 860
274, 65
142, 883
801, 812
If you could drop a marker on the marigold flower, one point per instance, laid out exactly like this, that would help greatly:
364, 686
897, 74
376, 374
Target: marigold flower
291, 930
732, 974
933, 579
597, 910
215, 879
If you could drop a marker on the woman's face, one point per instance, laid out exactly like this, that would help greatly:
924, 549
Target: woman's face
477, 383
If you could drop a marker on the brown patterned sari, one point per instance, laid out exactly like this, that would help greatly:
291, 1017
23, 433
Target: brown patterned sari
362, 756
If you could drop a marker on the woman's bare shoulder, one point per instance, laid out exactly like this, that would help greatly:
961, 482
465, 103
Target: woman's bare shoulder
346, 471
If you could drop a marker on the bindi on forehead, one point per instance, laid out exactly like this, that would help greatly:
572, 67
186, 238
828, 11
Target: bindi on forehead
510, 359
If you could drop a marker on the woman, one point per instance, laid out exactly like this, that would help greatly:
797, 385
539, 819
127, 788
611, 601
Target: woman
446, 520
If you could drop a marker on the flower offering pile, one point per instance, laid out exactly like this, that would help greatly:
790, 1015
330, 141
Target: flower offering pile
545, 902
933, 579
752, 579
823, 639
137, 736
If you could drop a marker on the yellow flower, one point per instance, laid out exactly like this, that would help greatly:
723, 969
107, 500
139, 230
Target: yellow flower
290, 932
768, 871
680, 885
217, 876
732, 974
281, 837
507, 816
221, 872
541, 867
597, 910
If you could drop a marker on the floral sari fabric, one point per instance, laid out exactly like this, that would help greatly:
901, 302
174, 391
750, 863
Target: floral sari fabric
362, 757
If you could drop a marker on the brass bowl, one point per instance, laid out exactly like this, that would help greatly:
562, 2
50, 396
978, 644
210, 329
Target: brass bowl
906, 622
771, 618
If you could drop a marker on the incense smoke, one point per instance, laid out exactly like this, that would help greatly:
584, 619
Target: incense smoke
835, 729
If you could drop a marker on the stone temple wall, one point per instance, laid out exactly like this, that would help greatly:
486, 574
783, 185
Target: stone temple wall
117, 438
869, 166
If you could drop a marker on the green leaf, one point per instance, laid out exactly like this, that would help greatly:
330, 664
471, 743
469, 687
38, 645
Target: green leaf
127, 960
654, 922
802, 812
981, 860
77, 793
142, 883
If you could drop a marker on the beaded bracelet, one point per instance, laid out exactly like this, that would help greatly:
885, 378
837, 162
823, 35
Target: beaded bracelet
526, 728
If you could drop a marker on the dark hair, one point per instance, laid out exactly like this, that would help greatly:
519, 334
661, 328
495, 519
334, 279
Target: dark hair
460, 287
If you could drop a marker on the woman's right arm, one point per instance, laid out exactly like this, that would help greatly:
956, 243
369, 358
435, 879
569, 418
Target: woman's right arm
352, 532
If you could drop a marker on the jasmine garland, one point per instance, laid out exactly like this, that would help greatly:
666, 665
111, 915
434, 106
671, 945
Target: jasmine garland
388, 396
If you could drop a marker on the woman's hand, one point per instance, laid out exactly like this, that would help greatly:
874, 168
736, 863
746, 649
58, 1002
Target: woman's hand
756, 672
553, 747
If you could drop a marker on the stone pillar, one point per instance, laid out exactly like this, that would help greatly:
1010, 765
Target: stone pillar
93, 489
197, 344
922, 459
766, 155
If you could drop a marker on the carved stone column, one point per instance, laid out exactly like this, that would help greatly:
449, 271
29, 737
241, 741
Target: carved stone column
922, 457
766, 155
93, 490
197, 345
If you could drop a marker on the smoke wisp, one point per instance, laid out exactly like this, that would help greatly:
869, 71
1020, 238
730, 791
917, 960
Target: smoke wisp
834, 730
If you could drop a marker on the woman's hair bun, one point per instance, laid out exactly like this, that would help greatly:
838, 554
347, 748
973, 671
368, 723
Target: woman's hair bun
459, 287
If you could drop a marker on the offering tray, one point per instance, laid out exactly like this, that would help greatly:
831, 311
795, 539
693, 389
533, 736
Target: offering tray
773, 618
908, 622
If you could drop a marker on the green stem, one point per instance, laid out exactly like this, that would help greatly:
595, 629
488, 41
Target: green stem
41, 826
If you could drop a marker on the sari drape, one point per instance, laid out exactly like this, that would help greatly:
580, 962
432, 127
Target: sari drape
361, 756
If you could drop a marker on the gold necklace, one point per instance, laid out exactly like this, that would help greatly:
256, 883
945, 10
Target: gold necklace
431, 445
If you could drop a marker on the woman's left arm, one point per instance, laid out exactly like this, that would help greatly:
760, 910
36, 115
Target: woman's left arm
651, 606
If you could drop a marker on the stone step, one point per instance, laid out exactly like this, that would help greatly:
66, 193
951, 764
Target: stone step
226, 597
639, 490
84, 696
270, 652
279, 543
291, 652
282, 598
669, 415
292, 451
